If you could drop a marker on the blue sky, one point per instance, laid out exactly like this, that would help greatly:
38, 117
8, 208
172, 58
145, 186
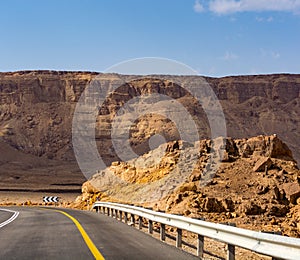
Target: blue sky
214, 37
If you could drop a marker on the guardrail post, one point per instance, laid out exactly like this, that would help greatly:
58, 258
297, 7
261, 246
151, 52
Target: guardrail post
103, 208
200, 246
108, 211
162, 232
125, 217
116, 214
231, 252
121, 215
140, 222
231, 248
150, 226
112, 213
179, 237
132, 219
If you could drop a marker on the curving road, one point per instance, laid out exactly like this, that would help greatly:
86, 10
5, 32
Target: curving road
4, 215
38, 233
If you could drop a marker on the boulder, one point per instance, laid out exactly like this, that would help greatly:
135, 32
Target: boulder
213, 205
231, 147
250, 208
228, 204
262, 164
116, 163
191, 186
279, 149
87, 187
227, 157
292, 191
278, 194
277, 210
172, 146
266, 146
261, 189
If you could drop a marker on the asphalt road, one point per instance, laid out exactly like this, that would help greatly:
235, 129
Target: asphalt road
38, 233
4, 215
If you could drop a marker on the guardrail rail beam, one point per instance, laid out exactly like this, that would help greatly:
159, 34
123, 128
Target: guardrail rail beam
276, 246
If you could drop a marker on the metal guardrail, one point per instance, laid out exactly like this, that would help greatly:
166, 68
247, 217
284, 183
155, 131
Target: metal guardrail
276, 246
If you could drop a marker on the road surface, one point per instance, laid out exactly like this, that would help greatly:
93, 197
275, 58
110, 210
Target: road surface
38, 233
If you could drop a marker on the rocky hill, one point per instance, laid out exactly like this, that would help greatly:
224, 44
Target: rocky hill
36, 111
256, 185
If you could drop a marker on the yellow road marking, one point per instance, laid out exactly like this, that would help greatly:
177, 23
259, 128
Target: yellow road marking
85, 236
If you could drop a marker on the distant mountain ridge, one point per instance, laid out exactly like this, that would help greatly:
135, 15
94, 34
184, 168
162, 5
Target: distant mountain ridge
36, 109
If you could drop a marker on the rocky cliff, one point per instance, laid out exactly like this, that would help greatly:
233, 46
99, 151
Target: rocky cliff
36, 111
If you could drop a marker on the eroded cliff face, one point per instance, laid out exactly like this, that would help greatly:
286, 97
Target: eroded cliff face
36, 109
258, 105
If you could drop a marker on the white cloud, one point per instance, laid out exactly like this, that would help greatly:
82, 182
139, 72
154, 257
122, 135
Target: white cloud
262, 19
229, 56
234, 6
259, 19
267, 53
198, 7
223, 6
275, 55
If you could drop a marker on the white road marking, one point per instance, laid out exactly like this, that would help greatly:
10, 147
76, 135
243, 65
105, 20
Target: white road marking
11, 219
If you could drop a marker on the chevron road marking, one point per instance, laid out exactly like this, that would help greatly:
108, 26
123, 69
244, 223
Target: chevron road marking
11, 219
50, 199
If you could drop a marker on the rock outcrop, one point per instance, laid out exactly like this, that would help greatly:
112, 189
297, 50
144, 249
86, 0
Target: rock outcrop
237, 192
